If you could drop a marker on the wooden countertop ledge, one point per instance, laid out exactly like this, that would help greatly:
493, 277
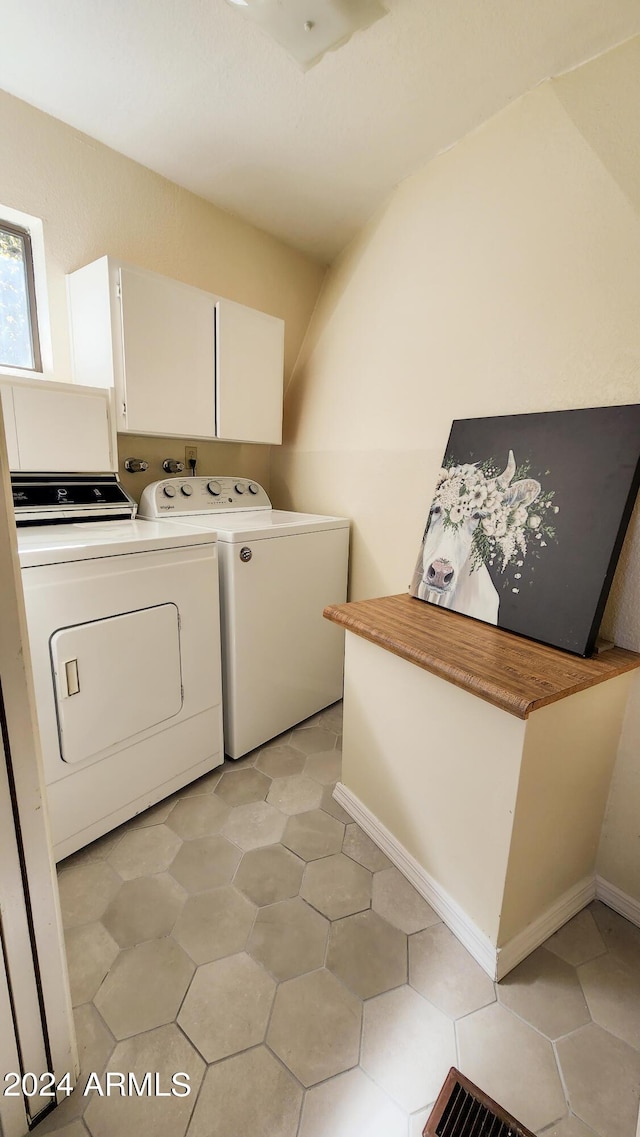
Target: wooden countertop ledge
515, 674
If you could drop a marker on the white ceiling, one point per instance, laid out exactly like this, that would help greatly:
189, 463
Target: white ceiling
195, 92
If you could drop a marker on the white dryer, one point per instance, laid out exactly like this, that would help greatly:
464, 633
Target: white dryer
123, 622
282, 661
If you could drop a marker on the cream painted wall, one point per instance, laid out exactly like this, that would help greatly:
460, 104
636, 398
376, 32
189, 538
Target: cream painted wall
504, 277
619, 854
569, 754
94, 201
411, 741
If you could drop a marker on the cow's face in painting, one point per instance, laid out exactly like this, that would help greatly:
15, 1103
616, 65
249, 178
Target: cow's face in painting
447, 550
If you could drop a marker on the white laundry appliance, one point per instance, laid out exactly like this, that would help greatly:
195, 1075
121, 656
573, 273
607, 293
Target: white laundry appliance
281, 660
123, 622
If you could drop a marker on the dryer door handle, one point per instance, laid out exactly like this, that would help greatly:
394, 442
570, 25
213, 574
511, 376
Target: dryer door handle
72, 677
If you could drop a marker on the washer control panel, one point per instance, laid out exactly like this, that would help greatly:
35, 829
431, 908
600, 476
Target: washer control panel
183, 497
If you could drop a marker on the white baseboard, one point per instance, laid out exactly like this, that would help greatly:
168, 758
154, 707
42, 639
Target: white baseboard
620, 901
497, 962
568, 905
470, 936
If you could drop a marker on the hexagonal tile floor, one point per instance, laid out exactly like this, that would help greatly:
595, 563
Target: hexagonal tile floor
247, 933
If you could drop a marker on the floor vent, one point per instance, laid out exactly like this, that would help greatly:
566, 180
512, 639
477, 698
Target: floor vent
463, 1110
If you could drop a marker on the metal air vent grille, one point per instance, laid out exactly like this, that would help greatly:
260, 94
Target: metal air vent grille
464, 1110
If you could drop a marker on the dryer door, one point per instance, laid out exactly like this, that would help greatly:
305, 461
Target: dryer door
114, 678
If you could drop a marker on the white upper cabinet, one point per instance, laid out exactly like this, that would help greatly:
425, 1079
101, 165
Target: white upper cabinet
183, 362
57, 427
249, 369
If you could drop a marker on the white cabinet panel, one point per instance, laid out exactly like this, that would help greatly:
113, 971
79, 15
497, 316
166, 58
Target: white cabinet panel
62, 429
96, 340
169, 355
249, 373
106, 690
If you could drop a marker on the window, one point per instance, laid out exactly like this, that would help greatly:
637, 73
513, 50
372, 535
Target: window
19, 340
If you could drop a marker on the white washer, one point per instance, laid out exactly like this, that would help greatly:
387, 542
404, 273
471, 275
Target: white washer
281, 660
123, 622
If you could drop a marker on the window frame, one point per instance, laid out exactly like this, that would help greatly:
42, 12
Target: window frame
15, 218
32, 301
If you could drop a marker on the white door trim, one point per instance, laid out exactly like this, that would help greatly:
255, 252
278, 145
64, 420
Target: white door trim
36, 975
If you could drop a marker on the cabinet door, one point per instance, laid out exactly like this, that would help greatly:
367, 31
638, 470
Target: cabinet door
249, 374
168, 342
62, 430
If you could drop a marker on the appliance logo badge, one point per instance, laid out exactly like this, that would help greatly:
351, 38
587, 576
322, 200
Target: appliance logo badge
62, 494
245, 553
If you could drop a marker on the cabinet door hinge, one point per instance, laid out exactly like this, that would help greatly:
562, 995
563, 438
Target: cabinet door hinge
118, 290
124, 408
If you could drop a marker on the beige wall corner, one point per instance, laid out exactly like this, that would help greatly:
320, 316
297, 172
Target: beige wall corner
569, 753
602, 98
619, 852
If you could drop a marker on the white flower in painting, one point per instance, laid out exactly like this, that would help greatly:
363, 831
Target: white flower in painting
517, 576
469, 493
449, 493
507, 545
556, 509
543, 544
515, 589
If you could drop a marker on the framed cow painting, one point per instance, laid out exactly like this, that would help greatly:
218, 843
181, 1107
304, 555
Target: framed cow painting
528, 518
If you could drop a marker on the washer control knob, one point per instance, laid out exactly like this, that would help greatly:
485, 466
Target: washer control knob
245, 553
169, 491
253, 488
214, 488
186, 489
239, 488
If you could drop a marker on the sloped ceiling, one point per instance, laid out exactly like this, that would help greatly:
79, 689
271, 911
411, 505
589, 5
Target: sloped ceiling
196, 93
